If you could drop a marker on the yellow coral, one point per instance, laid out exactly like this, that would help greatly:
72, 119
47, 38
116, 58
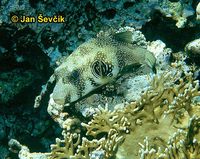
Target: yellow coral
163, 109
165, 119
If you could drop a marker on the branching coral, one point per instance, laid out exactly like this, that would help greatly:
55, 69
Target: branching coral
182, 144
166, 105
74, 147
105, 120
65, 148
187, 90
165, 118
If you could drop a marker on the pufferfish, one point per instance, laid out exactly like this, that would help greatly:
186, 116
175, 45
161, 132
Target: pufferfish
95, 63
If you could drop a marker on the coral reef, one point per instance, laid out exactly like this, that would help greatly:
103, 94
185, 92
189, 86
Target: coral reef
83, 19
166, 107
125, 119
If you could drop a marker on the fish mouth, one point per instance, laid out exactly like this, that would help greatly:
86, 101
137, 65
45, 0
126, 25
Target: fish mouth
59, 98
54, 108
60, 93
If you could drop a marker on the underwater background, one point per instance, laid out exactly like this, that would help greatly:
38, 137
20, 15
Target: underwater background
141, 114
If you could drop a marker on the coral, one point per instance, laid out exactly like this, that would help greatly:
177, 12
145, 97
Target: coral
8, 7
158, 103
133, 87
162, 54
83, 19
182, 144
65, 148
73, 146
24, 152
13, 84
193, 50
178, 11
166, 108
104, 120
31, 45
163, 106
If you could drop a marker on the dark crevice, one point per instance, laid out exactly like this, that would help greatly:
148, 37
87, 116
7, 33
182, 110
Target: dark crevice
162, 28
109, 13
33, 3
128, 5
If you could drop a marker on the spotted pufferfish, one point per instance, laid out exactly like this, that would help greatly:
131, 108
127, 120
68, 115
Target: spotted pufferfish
96, 63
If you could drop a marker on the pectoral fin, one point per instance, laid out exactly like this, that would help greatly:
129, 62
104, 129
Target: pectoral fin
123, 37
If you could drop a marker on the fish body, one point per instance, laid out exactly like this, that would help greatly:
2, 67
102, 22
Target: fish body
95, 63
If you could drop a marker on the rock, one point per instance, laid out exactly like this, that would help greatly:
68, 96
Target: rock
162, 54
16, 82
198, 11
193, 49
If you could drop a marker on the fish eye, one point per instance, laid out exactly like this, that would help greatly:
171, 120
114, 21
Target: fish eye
74, 76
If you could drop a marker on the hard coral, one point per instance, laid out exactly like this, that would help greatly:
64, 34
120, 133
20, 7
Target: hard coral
75, 147
165, 105
165, 118
181, 144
